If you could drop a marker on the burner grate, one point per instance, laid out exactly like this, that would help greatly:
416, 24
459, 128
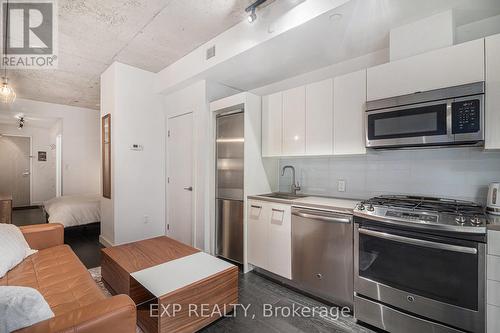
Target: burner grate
438, 205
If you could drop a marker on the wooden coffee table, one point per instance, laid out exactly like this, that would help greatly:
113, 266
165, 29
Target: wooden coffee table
172, 284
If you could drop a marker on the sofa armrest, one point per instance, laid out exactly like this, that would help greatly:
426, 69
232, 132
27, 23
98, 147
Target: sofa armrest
42, 236
116, 314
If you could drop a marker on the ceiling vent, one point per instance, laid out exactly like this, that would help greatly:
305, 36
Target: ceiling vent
211, 52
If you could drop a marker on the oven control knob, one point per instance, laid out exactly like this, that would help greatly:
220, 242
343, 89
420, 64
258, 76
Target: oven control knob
370, 208
475, 220
460, 219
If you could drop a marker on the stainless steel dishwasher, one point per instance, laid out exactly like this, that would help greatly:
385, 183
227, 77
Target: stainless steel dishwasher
322, 254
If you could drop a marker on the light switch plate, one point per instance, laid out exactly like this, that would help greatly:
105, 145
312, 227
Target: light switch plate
341, 185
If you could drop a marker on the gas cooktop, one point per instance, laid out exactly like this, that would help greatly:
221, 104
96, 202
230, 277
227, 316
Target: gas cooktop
425, 212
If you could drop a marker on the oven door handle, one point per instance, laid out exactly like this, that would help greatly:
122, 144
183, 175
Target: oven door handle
418, 242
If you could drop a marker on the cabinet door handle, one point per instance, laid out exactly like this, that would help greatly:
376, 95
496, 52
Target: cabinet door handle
255, 206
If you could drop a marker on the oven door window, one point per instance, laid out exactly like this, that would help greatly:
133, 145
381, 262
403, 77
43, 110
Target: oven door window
443, 275
407, 123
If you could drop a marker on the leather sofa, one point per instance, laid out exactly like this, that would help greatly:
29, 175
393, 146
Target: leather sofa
77, 302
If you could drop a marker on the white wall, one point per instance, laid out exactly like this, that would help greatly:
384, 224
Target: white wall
138, 188
80, 131
43, 186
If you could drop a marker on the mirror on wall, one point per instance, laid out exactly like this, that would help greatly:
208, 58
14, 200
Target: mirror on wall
106, 156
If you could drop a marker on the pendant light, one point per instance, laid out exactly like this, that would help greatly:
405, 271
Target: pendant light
7, 93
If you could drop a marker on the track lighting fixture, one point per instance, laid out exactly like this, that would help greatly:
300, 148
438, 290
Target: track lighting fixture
21, 123
252, 16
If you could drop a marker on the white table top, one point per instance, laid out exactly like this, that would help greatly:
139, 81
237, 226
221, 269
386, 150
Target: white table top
170, 276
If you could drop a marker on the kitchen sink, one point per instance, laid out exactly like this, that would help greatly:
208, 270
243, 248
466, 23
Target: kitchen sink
284, 195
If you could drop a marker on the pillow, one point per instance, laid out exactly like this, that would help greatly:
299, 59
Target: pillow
22, 307
13, 248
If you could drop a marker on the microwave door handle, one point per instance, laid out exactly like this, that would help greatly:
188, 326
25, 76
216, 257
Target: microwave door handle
419, 242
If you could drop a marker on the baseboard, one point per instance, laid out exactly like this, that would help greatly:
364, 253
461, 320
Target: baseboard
105, 242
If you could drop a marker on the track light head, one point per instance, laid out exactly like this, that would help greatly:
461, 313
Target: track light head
252, 17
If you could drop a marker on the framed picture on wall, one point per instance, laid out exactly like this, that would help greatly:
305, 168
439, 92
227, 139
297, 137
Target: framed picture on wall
106, 156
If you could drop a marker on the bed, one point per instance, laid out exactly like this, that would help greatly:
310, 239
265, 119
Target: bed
73, 210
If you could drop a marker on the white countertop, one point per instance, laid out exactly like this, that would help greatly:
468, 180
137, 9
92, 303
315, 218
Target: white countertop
162, 279
327, 203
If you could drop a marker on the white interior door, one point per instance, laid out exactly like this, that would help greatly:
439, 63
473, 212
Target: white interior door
180, 178
15, 169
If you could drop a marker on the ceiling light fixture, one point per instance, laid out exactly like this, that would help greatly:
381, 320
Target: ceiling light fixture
7, 93
21, 123
252, 17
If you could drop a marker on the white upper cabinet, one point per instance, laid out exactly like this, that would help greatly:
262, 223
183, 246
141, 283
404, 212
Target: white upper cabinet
349, 102
294, 118
492, 108
319, 118
451, 66
272, 124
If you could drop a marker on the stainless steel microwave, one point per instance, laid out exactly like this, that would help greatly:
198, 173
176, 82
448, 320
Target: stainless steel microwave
442, 117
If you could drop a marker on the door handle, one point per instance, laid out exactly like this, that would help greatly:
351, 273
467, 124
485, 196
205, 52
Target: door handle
335, 219
189, 188
418, 242
26, 173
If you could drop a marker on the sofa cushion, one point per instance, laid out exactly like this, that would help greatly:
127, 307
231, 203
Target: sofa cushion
60, 277
13, 247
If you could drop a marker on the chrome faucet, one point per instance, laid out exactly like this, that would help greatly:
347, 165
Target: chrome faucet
295, 186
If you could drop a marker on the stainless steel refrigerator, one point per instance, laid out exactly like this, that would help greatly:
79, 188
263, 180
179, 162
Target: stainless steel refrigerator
229, 186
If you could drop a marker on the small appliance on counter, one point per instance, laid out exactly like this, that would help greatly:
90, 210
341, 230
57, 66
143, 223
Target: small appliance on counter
493, 202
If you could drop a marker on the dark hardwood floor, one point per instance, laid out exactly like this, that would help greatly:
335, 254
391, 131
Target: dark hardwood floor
255, 292
84, 240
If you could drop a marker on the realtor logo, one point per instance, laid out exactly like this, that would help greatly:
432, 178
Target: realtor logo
29, 34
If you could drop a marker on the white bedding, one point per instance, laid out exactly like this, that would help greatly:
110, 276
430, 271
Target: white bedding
74, 210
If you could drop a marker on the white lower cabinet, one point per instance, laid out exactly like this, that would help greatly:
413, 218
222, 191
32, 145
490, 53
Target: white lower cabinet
270, 237
493, 282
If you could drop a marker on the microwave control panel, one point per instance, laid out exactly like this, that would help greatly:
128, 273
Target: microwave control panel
466, 116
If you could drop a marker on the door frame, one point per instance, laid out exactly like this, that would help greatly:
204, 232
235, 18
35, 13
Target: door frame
31, 161
193, 174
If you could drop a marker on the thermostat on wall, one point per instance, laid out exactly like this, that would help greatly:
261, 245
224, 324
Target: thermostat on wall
136, 147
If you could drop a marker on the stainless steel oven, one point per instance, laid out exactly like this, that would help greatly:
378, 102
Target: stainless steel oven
450, 116
410, 281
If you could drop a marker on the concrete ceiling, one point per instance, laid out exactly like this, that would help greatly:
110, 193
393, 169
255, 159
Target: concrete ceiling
152, 34
149, 34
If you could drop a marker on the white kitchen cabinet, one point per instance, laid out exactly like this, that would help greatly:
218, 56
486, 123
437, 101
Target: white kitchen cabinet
272, 124
270, 237
280, 240
349, 102
493, 282
492, 95
319, 118
294, 121
258, 215
446, 67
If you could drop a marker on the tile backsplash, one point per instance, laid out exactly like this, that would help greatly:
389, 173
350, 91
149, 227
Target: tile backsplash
458, 173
